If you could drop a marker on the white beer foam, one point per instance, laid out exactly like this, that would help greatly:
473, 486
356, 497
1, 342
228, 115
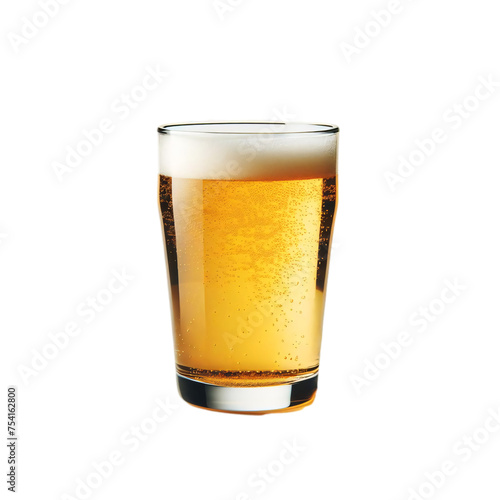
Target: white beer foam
281, 151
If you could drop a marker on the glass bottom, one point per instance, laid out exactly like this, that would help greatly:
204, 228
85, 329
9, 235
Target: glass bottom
248, 400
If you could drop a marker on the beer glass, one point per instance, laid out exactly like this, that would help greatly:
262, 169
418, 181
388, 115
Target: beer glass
248, 212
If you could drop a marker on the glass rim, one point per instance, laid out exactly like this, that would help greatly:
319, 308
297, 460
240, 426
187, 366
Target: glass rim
248, 128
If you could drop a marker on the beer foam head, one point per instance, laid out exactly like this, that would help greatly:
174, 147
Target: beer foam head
248, 151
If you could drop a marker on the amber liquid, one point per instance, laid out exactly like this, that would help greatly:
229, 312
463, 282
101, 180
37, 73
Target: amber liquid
247, 264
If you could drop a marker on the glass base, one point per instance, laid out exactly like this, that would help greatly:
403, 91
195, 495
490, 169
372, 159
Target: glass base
249, 400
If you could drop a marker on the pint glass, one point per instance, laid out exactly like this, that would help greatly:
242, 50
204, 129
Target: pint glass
247, 212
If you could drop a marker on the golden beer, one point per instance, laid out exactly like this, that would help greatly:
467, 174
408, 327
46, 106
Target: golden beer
247, 263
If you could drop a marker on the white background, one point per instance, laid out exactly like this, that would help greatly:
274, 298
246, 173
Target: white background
62, 238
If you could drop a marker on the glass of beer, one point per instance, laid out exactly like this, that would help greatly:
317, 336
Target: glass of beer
248, 212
